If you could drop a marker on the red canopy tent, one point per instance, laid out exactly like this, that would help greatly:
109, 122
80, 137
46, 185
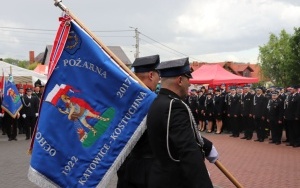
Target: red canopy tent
215, 75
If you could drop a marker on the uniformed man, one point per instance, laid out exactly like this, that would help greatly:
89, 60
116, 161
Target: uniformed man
281, 92
192, 101
224, 113
30, 112
275, 117
37, 89
246, 104
223, 90
21, 120
259, 114
268, 94
177, 145
134, 171
11, 125
239, 92
270, 91
226, 122
292, 117
210, 90
234, 111
286, 95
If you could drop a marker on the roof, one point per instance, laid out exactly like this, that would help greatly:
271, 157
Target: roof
41, 69
117, 50
39, 58
233, 67
215, 74
46, 55
256, 71
20, 74
240, 67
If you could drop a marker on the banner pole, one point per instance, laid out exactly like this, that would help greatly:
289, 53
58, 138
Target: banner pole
59, 4
228, 174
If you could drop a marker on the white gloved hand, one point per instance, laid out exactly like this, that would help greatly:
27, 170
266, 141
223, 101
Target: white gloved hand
24, 116
1, 114
213, 155
36, 114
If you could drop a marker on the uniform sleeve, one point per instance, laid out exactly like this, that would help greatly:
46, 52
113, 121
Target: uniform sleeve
207, 146
281, 110
181, 136
297, 113
239, 106
265, 107
251, 104
36, 105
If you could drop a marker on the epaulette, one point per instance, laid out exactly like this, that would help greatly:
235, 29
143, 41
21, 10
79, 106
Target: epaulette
172, 97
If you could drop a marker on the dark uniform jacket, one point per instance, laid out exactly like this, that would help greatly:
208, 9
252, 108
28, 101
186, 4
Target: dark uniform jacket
247, 104
282, 96
201, 103
275, 110
218, 104
191, 171
292, 110
259, 106
235, 105
227, 103
135, 169
30, 105
192, 101
22, 111
38, 95
209, 106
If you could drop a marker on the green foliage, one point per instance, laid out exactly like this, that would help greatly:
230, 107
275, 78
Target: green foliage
11, 61
32, 66
20, 63
279, 58
261, 83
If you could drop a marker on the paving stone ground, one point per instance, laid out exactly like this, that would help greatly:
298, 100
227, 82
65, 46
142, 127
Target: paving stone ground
253, 164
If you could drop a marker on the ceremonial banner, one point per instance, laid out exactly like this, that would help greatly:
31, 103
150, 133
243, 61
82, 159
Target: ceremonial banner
11, 99
2, 80
92, 113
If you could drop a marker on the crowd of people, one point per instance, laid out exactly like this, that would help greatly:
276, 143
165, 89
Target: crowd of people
25, 120
171, 152
246, 110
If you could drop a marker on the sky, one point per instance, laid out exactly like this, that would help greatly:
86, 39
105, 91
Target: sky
206, 31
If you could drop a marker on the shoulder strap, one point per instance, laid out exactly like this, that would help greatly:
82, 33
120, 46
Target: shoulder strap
197, 134
167, 137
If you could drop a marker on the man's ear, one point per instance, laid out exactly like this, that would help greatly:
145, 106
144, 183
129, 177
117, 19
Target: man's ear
179, 80
151, 75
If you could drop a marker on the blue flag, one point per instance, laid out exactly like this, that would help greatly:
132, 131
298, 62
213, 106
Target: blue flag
11, 99
91, 115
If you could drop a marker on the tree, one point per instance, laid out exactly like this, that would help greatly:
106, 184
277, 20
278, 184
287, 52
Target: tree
32, 66
295, 47
20, 63
279, 58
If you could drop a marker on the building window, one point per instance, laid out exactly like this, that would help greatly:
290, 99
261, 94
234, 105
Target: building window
246, 73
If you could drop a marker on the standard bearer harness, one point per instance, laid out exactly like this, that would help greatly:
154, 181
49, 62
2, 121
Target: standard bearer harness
197, 134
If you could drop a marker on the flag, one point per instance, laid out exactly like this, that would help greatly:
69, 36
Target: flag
2, 80
92, 114
11, 103
11, 78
